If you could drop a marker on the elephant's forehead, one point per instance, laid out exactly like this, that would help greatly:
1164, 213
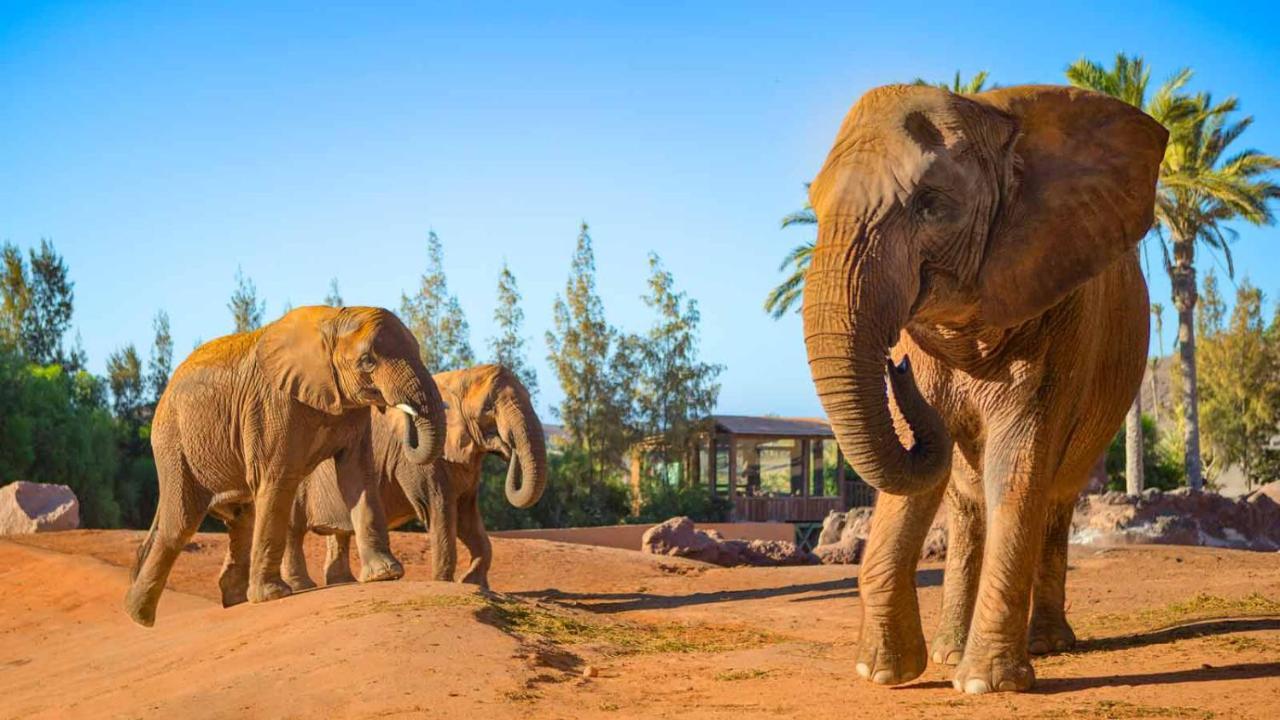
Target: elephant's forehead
867, 175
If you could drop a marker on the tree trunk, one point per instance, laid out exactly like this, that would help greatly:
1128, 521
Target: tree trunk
1182, 276
1134, 480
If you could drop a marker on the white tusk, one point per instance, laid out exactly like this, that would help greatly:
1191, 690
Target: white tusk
407, 410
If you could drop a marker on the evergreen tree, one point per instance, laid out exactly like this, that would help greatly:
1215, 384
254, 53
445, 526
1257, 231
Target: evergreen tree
246, 309
160, 365
676, 390
507, 348
37, 305
595, 367
334, 298
435, 317
16, 296
128, 388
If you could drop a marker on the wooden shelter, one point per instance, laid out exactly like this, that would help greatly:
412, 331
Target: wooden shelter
772, 468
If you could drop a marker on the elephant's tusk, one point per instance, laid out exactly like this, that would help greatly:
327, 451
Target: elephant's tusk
407, 410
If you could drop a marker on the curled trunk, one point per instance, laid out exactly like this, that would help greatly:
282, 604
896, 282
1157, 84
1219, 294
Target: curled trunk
424, 432
527, 469
853, 313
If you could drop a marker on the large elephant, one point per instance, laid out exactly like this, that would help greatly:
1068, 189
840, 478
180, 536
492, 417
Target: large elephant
489, 411
247, 416
985, 246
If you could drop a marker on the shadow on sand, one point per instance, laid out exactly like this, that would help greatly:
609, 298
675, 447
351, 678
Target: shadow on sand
1242, 671
625, 602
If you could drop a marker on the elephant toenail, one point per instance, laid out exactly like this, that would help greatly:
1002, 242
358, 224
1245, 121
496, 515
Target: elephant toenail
953, 658
1008, 686
977, 686
864, 670
883, 677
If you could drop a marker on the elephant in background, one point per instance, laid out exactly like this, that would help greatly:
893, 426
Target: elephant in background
980, 252
247, 416
489, 411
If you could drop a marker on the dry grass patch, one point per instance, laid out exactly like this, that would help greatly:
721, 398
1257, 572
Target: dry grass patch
425, 603
1202, 606
1120, 710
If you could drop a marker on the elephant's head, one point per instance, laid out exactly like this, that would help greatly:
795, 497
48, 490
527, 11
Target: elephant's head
490, 411
978, 211
339, 359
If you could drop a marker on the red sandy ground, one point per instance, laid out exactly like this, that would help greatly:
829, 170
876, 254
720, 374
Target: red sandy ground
606, 634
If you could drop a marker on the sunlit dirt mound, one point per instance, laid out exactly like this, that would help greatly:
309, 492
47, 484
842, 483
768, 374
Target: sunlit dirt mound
577, 631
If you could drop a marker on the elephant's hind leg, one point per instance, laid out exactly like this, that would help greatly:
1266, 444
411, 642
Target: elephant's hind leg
1049, 630
295, 557
891, 648
337, 559
234, 579
182, 504
471, 532
965, 538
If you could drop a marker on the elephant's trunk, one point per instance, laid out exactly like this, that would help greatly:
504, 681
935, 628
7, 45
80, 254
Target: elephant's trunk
527, 469
424, 427
857, 298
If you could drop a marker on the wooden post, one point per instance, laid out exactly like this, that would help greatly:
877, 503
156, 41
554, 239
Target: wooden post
817, 468
711, 460
840, 484
804, 466
733, 466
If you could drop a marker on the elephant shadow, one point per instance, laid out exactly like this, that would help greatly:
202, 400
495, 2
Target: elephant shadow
626, 602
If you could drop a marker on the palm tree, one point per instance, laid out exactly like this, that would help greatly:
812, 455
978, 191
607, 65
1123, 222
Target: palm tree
787, 294
1157, 317
1200, 190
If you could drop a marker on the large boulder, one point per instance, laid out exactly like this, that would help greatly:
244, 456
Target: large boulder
844, 535
1179, 518
27, 507
679, 537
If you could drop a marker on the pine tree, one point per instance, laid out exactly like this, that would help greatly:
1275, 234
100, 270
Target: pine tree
595, 367
676, 390
16, 296
334, 298
435, 317
124, 377
507, 348
246, 309
160, 365
37, 305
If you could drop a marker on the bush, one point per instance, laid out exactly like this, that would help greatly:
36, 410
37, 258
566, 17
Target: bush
1161, 460
661, 500
568, 501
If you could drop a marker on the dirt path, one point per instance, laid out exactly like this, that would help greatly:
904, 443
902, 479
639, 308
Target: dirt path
582, 632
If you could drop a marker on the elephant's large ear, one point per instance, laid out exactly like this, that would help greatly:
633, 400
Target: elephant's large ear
1079, 192
296, 353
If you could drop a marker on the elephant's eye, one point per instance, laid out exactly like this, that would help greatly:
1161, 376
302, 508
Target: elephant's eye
366, 363
929, 206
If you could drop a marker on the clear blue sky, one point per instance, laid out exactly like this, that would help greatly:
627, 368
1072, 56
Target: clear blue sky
161, 145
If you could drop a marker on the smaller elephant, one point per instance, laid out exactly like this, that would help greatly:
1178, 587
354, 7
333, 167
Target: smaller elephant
489, 411
246, 417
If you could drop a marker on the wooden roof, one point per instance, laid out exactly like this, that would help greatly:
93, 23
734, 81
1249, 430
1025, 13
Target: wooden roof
772, 426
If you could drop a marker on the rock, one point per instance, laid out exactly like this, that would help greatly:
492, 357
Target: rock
680, 538
855, 525
1179, 518
27, 507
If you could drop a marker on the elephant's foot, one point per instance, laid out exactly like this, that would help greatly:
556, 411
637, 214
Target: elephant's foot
477, 576
380, 567
1050, 635
268, 590
891, 653
948, 645
141, 608
337, 574
299, 582
983, 671
234, 584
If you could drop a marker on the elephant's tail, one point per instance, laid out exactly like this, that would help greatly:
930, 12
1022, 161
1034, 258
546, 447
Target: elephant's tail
144, 549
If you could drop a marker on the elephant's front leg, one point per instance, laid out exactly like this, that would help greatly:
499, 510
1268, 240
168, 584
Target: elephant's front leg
966, 533
891, 648
234, 579
471, 531
360, 489
273, 506
995, 655
1050, 631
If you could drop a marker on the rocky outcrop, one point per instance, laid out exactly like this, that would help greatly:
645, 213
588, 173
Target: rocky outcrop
844, 535
27, 507
679, 537
1180, 517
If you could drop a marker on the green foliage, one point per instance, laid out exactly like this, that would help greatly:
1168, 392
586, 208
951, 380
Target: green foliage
334, 296
674, 390
595, 366
37, 307
56, 429
787, 293
435, 317
662, 500
1161, 460
975, 84
507, 348
572, 497
160, 365
247, 311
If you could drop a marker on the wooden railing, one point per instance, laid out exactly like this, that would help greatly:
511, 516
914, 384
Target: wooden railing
784, 509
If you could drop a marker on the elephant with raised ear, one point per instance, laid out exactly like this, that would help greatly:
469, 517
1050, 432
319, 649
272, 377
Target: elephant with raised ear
489, 412
247, 416
979, 252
